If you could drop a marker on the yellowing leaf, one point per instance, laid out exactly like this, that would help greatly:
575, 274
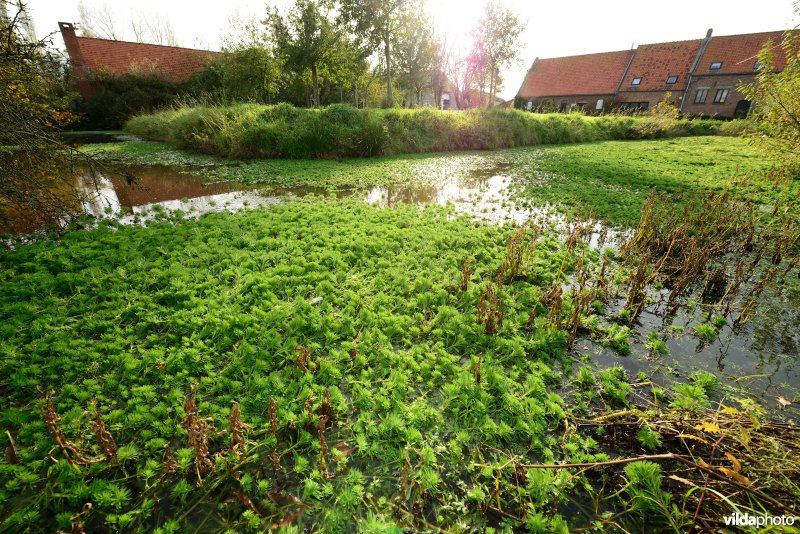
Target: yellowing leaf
737, 465
730, 410
783, 402
690, 436
707, 426
735, 476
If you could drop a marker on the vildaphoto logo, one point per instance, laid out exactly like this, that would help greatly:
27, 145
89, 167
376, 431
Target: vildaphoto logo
747, 520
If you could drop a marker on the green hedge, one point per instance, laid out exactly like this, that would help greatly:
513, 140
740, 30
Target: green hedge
258, 131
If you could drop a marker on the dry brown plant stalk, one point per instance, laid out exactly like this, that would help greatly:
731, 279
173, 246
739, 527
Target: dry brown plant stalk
238, 430
198, 430
104, 437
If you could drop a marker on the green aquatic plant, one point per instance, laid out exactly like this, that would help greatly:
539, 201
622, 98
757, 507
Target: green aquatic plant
614, 386
705, 331
656, 345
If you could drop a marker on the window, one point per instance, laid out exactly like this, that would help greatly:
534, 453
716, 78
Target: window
530, 105
599, 104
672, 79
757, 65
636, 81
716, 65
700, 97
635, 106
721, 96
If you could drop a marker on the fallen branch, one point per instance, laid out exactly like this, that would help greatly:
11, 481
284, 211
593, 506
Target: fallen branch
669, 456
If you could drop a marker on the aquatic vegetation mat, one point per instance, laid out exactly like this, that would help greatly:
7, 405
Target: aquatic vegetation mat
339, 367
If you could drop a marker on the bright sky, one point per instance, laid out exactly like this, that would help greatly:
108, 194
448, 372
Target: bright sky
554, 28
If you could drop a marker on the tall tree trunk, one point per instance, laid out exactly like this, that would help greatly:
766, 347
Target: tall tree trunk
315, 96
387, 50
355, 94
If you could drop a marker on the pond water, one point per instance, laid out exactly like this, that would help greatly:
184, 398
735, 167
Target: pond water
166, 188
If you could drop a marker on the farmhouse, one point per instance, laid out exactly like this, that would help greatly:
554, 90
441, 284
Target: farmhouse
702, 76
91, 57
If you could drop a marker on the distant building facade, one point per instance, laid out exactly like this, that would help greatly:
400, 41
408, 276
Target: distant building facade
91, 57
702, 76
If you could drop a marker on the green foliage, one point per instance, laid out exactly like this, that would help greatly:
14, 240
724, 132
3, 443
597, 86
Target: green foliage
115, 99
690, 397
247, 130
614, 386
776, 97
706, 332
135, 316
656, 345
649, 438
585, 378
705, 380
616, 336
648, 499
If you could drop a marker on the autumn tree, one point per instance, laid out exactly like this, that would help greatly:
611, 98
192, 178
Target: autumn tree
36, 167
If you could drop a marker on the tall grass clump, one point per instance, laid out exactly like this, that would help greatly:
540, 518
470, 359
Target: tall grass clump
258, 131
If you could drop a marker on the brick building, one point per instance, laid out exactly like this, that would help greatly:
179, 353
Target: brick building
91, 56
702, 75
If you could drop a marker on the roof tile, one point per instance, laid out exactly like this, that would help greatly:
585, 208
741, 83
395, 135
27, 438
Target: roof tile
121, 57
654, 63
587, 74
738, 53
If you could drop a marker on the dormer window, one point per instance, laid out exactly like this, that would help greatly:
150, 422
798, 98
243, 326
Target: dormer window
671, 80
636, 81
716, 65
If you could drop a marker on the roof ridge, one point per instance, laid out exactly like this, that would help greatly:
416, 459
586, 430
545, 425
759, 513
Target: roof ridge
671, 42
149, 44
589, 54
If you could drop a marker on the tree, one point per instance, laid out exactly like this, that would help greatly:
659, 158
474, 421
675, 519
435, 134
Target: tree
497, 41
376, 22
102, 22
310, 39
98, 22
36, 167
152, 28
251, 66
776, 97
417, 52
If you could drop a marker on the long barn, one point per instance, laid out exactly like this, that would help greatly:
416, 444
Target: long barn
702, 76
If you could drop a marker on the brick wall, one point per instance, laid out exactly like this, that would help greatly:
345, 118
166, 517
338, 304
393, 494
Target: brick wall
712, 83
568, 101
651, 97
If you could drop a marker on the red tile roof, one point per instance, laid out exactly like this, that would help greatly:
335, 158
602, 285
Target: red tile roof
121, 57
654, 63
589, 74
738, 53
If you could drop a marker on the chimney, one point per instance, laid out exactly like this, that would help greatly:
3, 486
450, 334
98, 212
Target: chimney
80, 69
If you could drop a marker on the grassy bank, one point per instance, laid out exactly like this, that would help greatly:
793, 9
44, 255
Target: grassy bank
256, 131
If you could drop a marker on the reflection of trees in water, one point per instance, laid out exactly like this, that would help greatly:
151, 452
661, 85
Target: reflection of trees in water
776, 326
159, 183
424, 194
